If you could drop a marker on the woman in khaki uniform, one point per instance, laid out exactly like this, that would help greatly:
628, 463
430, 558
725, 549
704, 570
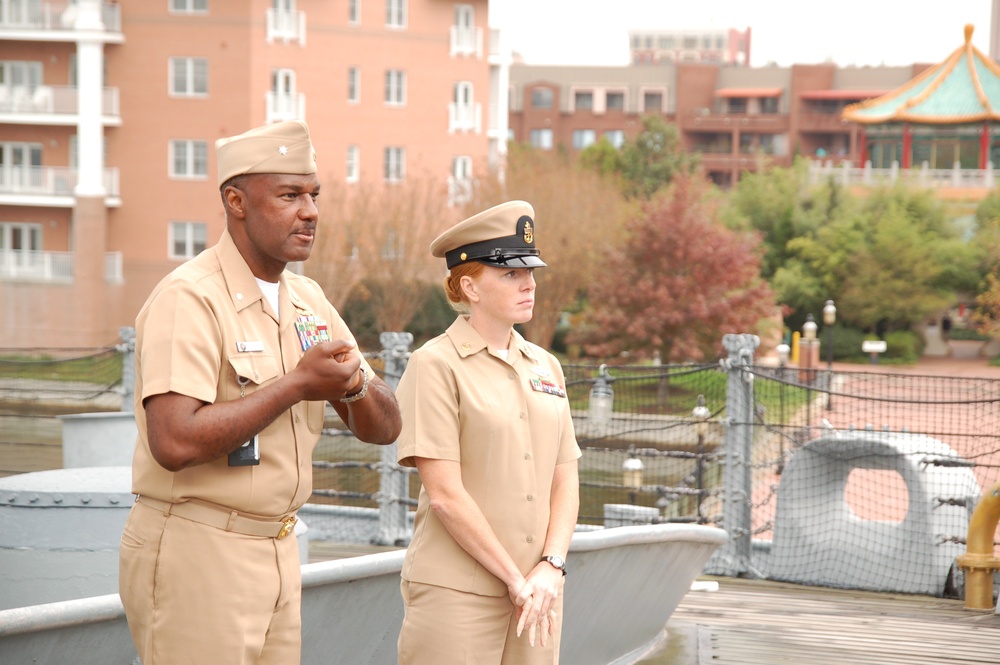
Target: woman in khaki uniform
487, 424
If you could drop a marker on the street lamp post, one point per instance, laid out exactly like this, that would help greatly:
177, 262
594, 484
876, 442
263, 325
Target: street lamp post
783, 352
632, 475
829, 318
807, 358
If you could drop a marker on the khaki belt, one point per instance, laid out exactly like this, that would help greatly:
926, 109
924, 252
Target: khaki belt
220, 517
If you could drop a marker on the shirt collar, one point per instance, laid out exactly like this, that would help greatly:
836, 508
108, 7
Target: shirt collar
468, 341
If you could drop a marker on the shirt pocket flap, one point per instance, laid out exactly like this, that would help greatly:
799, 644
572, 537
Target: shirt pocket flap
257, 368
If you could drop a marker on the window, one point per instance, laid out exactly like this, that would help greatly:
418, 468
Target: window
582, 138
769, 104
615, 101
583, 101
615, 137
188, 159
285, 23
21, 250
189, 6
463, 33
541, 138
353, 163
395, 13
353, 85
460, 183
689, 42
541, 98
354, 11
462, 116
188, 77
21, 166
652, 102
187, 239
282, 102
737, 105
395, 87
395, 164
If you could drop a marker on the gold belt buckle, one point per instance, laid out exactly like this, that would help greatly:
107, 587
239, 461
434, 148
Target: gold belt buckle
287, 526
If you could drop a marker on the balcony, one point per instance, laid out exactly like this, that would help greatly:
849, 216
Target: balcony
51, 267
51, 105
465, 118
33, 20
50, 186
282, 106
466, 41
702, 121
286, 26
814, 122
746, 161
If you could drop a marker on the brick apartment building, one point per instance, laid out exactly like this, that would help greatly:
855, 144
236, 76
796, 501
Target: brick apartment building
736, 118
109, 112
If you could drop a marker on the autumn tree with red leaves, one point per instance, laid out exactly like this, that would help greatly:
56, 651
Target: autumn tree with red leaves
680, 282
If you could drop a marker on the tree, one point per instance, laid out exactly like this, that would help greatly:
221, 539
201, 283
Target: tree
678, 283
651, 159
334, 262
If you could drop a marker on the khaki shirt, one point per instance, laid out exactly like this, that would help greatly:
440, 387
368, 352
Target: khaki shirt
461, 403
202, 327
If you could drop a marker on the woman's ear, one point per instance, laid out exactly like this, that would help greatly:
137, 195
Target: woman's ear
469, 288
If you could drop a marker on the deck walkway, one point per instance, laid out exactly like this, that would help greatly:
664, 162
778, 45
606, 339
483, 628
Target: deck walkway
753, 622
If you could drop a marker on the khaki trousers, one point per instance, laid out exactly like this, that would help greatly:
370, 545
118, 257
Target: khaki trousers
448, 627
195, 594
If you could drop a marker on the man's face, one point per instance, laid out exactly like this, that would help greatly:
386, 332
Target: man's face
279, 221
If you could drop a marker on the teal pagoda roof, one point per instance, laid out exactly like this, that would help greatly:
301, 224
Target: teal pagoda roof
965, 88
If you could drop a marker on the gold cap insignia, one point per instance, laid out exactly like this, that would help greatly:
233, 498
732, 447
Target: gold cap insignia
529, 234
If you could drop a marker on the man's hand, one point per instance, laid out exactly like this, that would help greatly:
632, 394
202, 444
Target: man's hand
329, 370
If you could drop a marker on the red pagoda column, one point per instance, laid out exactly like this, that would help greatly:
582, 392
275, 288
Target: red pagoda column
984, 144
907, 146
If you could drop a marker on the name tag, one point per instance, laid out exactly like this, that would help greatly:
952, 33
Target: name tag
249, 347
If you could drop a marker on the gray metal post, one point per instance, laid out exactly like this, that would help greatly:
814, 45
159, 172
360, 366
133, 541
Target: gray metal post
734, 558
127, 349
393, 525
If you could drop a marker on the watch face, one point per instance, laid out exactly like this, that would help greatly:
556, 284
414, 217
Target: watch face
556, 561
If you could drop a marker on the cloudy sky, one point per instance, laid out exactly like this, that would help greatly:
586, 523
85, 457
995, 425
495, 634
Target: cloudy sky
786, 32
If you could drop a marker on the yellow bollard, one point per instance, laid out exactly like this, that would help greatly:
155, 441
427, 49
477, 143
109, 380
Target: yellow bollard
978, 561
795, 347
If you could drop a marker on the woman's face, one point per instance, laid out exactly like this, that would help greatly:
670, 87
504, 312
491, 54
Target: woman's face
505, 295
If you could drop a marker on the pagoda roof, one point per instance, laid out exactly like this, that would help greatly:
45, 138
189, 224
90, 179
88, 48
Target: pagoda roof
964, 88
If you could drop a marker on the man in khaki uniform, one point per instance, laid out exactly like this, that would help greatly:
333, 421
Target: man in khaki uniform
235, 361
487, 423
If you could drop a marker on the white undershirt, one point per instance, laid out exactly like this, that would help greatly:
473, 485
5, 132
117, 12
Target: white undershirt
270, 291
503, 353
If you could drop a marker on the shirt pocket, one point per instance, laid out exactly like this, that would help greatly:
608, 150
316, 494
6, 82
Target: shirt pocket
248, 372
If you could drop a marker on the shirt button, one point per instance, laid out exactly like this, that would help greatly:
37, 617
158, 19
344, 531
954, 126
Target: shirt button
527, 455
521, 415
296, 419
512, 376
531, 498
530, 539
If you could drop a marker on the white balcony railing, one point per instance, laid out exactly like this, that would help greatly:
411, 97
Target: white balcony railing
285, 107
924, 176
51, 100
459, 191
466, 41
38, 15
286, 26
49, 181
53, 267
465, 118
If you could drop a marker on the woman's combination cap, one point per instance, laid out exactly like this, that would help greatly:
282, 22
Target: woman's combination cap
281, 147
501, 236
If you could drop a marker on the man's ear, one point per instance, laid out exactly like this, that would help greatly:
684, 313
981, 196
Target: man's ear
235, 199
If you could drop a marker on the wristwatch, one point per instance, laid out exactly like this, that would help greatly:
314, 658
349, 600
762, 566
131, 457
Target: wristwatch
557, 562
366, 379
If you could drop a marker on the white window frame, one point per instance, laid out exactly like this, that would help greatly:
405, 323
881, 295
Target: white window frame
189, 68
460, 182
353, 163
188, 6
187, 150
583, 138
544, 138
354, 85
354, 12
184, 232
394, 166
465, 37
616, 137
395, 14
395, 87
21, 165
